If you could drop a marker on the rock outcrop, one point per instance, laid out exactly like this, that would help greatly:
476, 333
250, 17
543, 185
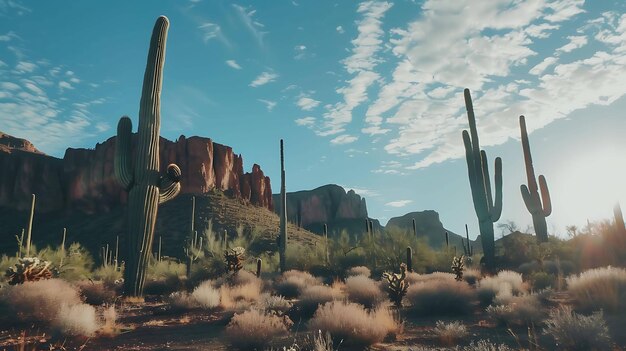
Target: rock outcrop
427, 225
84, 178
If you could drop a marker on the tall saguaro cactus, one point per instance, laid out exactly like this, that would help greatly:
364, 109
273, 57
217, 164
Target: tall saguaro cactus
486, 209
282, 239
140, 176
530, 193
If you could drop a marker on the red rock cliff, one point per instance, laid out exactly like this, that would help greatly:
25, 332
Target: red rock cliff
84, 178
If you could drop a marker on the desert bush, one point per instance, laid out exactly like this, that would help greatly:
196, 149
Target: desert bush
489, 287
74, 262
352, 323
600, 288
109, 325
363, 290
541, 280
181, 300
449, 333
76, 320
440, 297
96, 293
38, 301
486, 345
291, 283
516, 310
254, 329
573, 331
359, 270
274, 303
206, 296
236, 297
528, 268
163, 286
414, 278
313, 296
243, 277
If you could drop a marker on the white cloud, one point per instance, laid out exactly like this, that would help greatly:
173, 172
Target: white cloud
8, 7
575, 42
307, 103
361, 64
8, 37
540, 31
300, 52
398, 203
246, 15
344, 139
543, 65
264, 78
268, 104
305, 121
233, 64
210, 31
63, 85
25, 67
340, 29
361, 191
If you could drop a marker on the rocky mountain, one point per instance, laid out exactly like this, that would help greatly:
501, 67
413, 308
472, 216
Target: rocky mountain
83, 179
329, 204
428, 224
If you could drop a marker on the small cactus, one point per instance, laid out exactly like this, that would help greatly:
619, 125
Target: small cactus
259, 263
397, 285
458, 266
234, 259
409, 259
30, 269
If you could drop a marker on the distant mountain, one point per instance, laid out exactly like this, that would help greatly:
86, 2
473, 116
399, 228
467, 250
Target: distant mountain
329, 204
429, 225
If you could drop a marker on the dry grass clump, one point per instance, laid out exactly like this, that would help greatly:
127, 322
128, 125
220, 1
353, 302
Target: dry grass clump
181, 300
600, 288
316, 295
242, 277
291, 283
359, 270
440, 297
489, 287
352, 323
414, 278
449, 333
573, 331
76, 320
274, 303
96, 293
363, 290
238, 297
206, 296
38, 301
254, 329
516, 310
109, 327
486, 345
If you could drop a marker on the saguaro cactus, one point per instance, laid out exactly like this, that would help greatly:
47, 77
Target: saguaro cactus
409, 259
486, 209
530, 193
414, 228
282, 239
146, 188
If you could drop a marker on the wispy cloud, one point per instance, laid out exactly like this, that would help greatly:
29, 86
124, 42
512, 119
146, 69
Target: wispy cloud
246, 15
233, 64
210, 31
398, 203
305, 121
9, 7
360, 64
268, 104
263, 78
344, 139
575, 42
340, 30
300, 52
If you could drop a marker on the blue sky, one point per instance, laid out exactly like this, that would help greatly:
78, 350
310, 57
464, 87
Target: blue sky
367, 95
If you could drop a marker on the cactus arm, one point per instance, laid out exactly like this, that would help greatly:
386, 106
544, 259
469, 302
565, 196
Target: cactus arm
496, 211
122, 162
527, 197
528, 159
469, 156
169, 185
545, 196
486, 180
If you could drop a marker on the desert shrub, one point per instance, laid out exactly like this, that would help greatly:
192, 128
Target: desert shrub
163, 277
109, 325
109, 275
363, 290
352, 323
163, 286
471, 276
38, 301
600, 288
414, 278
559, 267
541, 280
181, 300
74, 262
241, 278
573, 331
313, 296
5, 263
528, 268
254, 329
359, 270
76, 320
516, 310
486, 345
206, 296
489, 287
274, 303
96, 293
291, 283
440, 297
449, 333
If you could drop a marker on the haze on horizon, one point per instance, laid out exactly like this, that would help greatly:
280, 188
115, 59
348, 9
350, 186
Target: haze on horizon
367, 95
